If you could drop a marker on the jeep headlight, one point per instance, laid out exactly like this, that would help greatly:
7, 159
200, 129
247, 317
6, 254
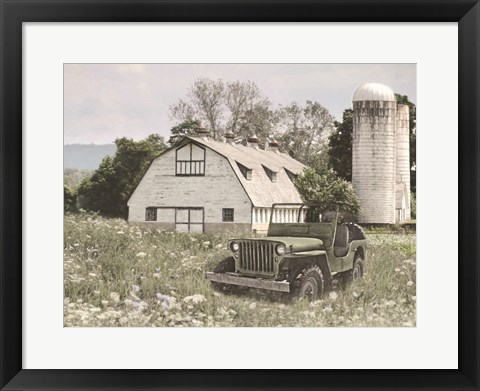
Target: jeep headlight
280, 249
234, 246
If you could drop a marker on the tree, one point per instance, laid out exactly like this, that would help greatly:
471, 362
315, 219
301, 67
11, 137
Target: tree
185, 128
328, 191
304, 131
204, 102
222, 106
340, 146
69, 200
112, 184
403, 99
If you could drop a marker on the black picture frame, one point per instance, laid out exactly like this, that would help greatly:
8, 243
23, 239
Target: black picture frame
15, 12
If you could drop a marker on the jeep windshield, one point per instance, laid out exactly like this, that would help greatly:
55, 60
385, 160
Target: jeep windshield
310, 222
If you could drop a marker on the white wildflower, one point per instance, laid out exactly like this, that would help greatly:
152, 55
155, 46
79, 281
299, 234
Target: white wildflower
135, 288
195, 299
252, 306
410, 283
140, 305
141, 254
120, 233
115, 297
333, 296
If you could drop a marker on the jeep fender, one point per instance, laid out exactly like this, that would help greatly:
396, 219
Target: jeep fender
356, 248
298, 262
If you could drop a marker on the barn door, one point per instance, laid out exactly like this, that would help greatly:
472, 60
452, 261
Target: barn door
189, 220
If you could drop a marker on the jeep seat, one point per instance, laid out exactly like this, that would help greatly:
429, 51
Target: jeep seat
340, 246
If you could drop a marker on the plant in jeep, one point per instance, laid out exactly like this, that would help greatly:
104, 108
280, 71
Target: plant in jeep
301, 258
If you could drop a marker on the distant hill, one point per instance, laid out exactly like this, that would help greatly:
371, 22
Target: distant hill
86, 156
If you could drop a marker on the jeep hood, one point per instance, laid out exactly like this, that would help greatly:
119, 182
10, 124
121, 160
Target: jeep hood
297, 244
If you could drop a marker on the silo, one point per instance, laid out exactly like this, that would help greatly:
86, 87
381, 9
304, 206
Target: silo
374, 152
402, 135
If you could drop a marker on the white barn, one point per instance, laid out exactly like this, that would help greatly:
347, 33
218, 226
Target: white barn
201, 185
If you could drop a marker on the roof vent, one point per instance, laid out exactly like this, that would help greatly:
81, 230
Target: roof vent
253, 142
229, 137
202, 131
273, 145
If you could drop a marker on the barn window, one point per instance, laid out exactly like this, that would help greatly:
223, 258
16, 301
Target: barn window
246, 172
270, 173
151, 214
227, 214
190, 160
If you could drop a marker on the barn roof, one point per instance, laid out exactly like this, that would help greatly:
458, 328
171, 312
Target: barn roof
263, 192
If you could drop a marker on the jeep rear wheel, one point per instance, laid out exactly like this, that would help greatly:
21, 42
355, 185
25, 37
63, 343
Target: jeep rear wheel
356, 272
309, 284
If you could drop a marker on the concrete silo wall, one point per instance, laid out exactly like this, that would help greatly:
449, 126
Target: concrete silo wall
403, 153
373, 160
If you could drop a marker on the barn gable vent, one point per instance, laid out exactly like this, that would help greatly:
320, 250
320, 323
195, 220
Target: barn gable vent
246, 172
270, 173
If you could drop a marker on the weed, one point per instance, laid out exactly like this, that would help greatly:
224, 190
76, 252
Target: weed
116, 274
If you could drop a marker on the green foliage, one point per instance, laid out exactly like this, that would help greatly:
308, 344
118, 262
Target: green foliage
185, 128
413, 206
69, 200
112, 184
340, 144
328, 191
72, 177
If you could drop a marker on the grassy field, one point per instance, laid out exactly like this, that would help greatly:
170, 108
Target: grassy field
117, 274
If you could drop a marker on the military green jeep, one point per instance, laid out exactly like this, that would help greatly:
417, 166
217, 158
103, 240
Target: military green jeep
301, 258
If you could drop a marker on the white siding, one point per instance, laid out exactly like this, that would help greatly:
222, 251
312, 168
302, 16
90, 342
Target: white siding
373, 159
218, 189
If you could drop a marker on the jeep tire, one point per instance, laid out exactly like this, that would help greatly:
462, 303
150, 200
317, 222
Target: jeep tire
309, 284
225, 266
356, 272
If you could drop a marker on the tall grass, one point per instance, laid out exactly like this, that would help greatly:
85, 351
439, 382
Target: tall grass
117, 274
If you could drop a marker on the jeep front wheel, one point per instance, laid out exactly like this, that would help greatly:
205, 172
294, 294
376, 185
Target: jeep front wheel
309, 284
225, 266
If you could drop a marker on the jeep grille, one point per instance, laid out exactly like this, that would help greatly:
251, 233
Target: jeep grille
257, 256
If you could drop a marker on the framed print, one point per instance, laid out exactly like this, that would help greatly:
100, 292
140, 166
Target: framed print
172, 262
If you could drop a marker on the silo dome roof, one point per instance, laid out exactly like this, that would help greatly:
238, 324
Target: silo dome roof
374, 91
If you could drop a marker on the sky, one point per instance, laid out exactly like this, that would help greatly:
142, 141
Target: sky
103, 102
